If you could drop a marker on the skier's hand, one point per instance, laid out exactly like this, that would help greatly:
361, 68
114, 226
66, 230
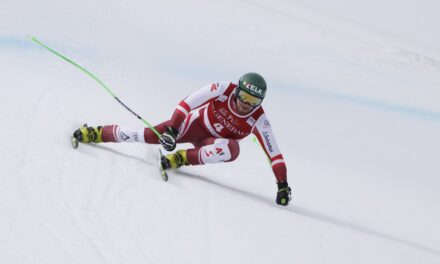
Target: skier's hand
284, 193
168, 139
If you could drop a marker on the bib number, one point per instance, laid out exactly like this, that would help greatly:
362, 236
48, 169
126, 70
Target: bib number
218, 127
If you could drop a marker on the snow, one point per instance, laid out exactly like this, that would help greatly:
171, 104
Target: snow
353, 101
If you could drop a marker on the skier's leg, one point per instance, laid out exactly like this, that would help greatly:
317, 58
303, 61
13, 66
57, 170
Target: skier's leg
208, 149
215, 150
115, 133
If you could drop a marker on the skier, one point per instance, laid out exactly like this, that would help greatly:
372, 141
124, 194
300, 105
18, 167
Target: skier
214, 119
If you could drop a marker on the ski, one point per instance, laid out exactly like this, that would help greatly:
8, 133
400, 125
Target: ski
74, 141
161, 169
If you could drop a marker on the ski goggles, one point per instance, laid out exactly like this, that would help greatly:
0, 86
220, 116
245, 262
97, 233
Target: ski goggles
248, 99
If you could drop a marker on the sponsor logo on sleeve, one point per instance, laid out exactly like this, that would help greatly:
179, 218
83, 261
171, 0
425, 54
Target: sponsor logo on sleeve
267, 139
266, 124
214, 87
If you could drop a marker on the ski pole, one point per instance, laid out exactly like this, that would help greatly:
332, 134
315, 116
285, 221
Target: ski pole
102, 84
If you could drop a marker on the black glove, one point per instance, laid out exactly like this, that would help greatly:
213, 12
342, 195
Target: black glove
168, 139
284, 193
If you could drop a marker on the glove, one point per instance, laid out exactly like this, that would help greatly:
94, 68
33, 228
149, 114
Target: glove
284, 193
168, 139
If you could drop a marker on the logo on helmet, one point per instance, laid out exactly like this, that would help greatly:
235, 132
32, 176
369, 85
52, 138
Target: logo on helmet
254, 88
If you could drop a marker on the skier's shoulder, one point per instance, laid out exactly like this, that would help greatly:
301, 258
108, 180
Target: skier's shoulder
222, 86
260, 116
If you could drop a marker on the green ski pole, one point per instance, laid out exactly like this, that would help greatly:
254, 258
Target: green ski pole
102, 84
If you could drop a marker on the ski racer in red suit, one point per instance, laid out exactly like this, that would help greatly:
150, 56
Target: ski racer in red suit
214, 119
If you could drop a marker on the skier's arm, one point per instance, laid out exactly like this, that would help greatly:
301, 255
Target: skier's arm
195, 100
265, 136
264, 133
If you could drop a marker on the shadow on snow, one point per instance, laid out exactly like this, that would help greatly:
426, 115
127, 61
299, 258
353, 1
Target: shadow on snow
297, 210
314, 215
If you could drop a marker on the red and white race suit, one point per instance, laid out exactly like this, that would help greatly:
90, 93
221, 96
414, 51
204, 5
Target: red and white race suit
208, 118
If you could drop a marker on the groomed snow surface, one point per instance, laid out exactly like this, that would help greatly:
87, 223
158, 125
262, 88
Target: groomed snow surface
353, 100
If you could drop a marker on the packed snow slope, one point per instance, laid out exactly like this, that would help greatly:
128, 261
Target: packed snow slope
353, 100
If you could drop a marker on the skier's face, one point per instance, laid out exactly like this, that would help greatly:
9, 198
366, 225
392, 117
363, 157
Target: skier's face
246, 102
249, 99
244, 108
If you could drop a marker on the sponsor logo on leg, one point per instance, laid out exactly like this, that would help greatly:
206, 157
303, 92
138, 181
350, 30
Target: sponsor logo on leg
124, 136
219, 151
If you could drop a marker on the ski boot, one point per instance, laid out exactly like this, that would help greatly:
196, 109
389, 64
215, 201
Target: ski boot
171, 161
86, 134
174, 160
